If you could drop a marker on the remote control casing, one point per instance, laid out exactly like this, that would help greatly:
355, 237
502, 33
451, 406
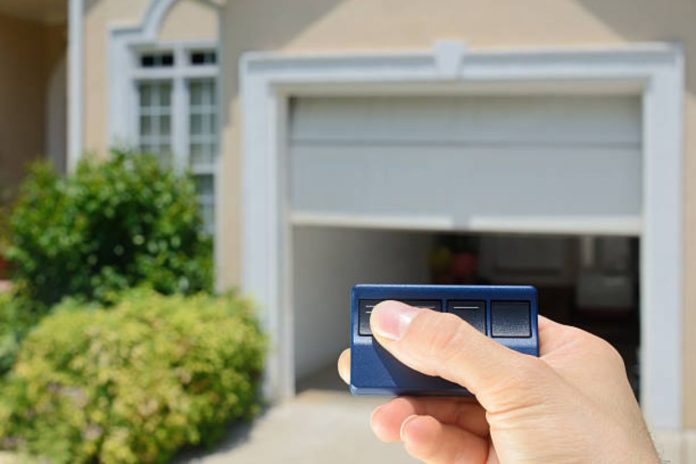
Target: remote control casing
497, 310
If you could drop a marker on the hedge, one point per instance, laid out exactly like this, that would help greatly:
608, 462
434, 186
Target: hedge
133, 383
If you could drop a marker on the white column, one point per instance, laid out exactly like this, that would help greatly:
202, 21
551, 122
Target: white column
75, 81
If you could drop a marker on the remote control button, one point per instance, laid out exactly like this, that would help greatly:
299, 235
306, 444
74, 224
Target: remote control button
511, 319
473, 312
435, 305
366, 307
365, 310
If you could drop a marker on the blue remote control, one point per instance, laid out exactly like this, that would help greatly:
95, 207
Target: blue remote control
508, 314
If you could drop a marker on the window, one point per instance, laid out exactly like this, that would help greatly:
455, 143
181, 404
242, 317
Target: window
178, 116
203, 143
203, 123
156, 119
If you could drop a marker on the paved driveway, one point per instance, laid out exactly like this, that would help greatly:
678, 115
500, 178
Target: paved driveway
318, 426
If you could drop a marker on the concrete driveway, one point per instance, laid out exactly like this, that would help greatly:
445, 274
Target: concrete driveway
318, 426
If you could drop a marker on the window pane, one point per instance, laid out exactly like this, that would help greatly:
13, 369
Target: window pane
204, 184
145, 125
157, 60
199, 58
213, 123
197, 154
207, 92
145, 95
165, 94
196, 124
165, 125
205, 187
196, 93
208, 214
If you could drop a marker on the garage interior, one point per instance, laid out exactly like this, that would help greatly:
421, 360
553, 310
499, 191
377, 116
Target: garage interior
590, 282
497, 189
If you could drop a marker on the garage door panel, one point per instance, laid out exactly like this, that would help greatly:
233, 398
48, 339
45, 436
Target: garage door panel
383, 163
579, 120
463, 183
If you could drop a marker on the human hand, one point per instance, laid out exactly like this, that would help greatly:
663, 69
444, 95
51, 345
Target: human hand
573, 404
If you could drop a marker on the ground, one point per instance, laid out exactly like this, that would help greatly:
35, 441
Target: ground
323, 424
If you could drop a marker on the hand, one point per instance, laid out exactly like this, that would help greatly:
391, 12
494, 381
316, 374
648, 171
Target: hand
573, 404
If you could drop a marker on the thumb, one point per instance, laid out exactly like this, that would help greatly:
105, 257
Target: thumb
442, 344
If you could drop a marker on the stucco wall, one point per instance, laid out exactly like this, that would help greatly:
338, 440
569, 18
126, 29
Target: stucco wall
190, 20
101, 16
29, 52
335, 25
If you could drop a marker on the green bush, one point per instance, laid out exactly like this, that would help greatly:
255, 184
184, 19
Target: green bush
113, 225
133, 383
16, 319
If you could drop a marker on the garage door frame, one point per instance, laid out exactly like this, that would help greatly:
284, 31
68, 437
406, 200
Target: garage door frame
653, 71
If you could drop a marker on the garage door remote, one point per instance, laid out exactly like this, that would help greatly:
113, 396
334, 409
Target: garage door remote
508, 314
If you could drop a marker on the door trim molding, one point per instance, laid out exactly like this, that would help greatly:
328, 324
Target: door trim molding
653, 71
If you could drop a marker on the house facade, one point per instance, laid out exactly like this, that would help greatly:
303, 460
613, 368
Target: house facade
340, 141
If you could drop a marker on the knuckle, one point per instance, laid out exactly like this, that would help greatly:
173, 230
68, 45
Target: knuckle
611, 354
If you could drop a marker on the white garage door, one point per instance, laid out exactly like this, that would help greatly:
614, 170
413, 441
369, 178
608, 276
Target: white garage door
537, 163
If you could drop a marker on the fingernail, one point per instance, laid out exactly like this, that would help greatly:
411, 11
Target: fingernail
390, 319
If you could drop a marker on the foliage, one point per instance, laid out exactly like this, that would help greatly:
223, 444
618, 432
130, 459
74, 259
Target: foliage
3, 229
113, 225
132, 383
16, 319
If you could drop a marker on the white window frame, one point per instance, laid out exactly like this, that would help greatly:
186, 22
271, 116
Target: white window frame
180, 74
652, 71
125, 46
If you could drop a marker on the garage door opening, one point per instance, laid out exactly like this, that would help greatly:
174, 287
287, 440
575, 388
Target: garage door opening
591, 282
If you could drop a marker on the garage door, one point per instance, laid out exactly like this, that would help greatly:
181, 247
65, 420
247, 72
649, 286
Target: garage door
537, 163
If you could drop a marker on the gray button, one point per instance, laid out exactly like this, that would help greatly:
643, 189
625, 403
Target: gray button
473, 312
366, 306
511, 319
365, 310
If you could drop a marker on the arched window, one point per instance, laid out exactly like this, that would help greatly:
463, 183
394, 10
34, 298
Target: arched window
164, 91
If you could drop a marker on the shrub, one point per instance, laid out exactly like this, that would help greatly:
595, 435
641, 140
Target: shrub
16, 318
113, 225
4, 240
133, 383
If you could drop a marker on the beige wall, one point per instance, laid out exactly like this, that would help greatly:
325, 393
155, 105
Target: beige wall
101, 16
29, 52
340, 25
190, 20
